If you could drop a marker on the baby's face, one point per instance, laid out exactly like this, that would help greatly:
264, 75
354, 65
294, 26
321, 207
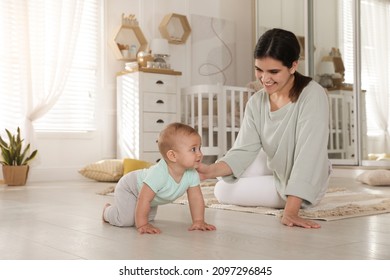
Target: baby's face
188, 151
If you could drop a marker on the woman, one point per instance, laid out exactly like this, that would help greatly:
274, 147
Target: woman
280, 156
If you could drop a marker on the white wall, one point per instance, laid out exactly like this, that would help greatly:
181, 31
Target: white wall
61, 155
326, 31
284, 14
290, 15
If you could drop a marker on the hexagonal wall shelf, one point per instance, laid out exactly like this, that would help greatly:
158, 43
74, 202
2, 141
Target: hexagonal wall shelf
128, 40
175, 28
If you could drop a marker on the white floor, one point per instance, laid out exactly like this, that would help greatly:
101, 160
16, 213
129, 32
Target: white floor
62, 220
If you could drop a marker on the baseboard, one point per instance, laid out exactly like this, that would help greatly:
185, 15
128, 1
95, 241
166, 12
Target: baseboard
53, 174
351, 171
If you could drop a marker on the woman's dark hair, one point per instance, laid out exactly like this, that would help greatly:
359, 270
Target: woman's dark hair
282, 45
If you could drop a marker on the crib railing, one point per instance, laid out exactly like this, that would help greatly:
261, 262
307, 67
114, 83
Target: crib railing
216, 112
342, 130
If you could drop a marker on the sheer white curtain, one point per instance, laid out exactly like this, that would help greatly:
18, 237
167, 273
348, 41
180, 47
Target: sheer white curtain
41, 39
375, 62
375, 40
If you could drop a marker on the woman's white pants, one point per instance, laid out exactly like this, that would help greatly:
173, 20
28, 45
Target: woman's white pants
256, 187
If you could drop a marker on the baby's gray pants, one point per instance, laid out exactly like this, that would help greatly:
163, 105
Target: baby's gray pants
122, 212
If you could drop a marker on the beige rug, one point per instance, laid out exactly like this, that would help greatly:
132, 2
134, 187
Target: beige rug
338, 203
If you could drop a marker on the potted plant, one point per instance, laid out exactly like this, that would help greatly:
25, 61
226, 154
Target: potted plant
15, 159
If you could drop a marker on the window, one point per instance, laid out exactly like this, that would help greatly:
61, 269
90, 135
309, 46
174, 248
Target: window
346, 39
49, 61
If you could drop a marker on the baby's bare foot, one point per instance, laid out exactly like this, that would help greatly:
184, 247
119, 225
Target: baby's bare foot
104, 209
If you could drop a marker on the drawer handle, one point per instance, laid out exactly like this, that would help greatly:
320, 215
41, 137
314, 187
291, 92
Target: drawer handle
159, 82
160, 101
159, 121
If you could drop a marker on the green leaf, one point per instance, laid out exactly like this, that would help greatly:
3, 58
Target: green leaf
3, 143
31, 157
13, 152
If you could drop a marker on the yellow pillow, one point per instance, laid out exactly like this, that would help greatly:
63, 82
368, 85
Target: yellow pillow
130, 164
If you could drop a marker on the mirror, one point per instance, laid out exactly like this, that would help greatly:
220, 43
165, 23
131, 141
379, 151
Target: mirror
334, 70
332, 58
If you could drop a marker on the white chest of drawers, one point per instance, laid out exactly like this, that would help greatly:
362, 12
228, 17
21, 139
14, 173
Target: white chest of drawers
146, 102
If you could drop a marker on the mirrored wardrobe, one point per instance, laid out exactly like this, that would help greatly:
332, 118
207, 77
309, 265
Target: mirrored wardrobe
345, 48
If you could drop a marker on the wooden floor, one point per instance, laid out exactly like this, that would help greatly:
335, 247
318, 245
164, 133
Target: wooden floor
62, 220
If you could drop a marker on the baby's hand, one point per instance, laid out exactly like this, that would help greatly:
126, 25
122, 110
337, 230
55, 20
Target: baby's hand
148, 228
201, 225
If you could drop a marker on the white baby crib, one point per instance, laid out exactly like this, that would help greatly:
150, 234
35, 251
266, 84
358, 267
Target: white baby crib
216, 111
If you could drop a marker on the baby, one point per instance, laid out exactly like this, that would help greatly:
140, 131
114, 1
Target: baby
138, 193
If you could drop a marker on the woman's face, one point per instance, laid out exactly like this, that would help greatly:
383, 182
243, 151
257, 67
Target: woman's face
273, 75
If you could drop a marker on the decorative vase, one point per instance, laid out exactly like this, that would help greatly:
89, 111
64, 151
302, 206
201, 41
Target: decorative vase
143, 58
15, 175
125, 53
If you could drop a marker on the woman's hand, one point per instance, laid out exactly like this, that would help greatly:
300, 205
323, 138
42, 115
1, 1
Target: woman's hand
295, 220
214, 170
202, 171
290, 214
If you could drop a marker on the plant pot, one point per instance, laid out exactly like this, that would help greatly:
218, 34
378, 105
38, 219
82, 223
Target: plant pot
15, 175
